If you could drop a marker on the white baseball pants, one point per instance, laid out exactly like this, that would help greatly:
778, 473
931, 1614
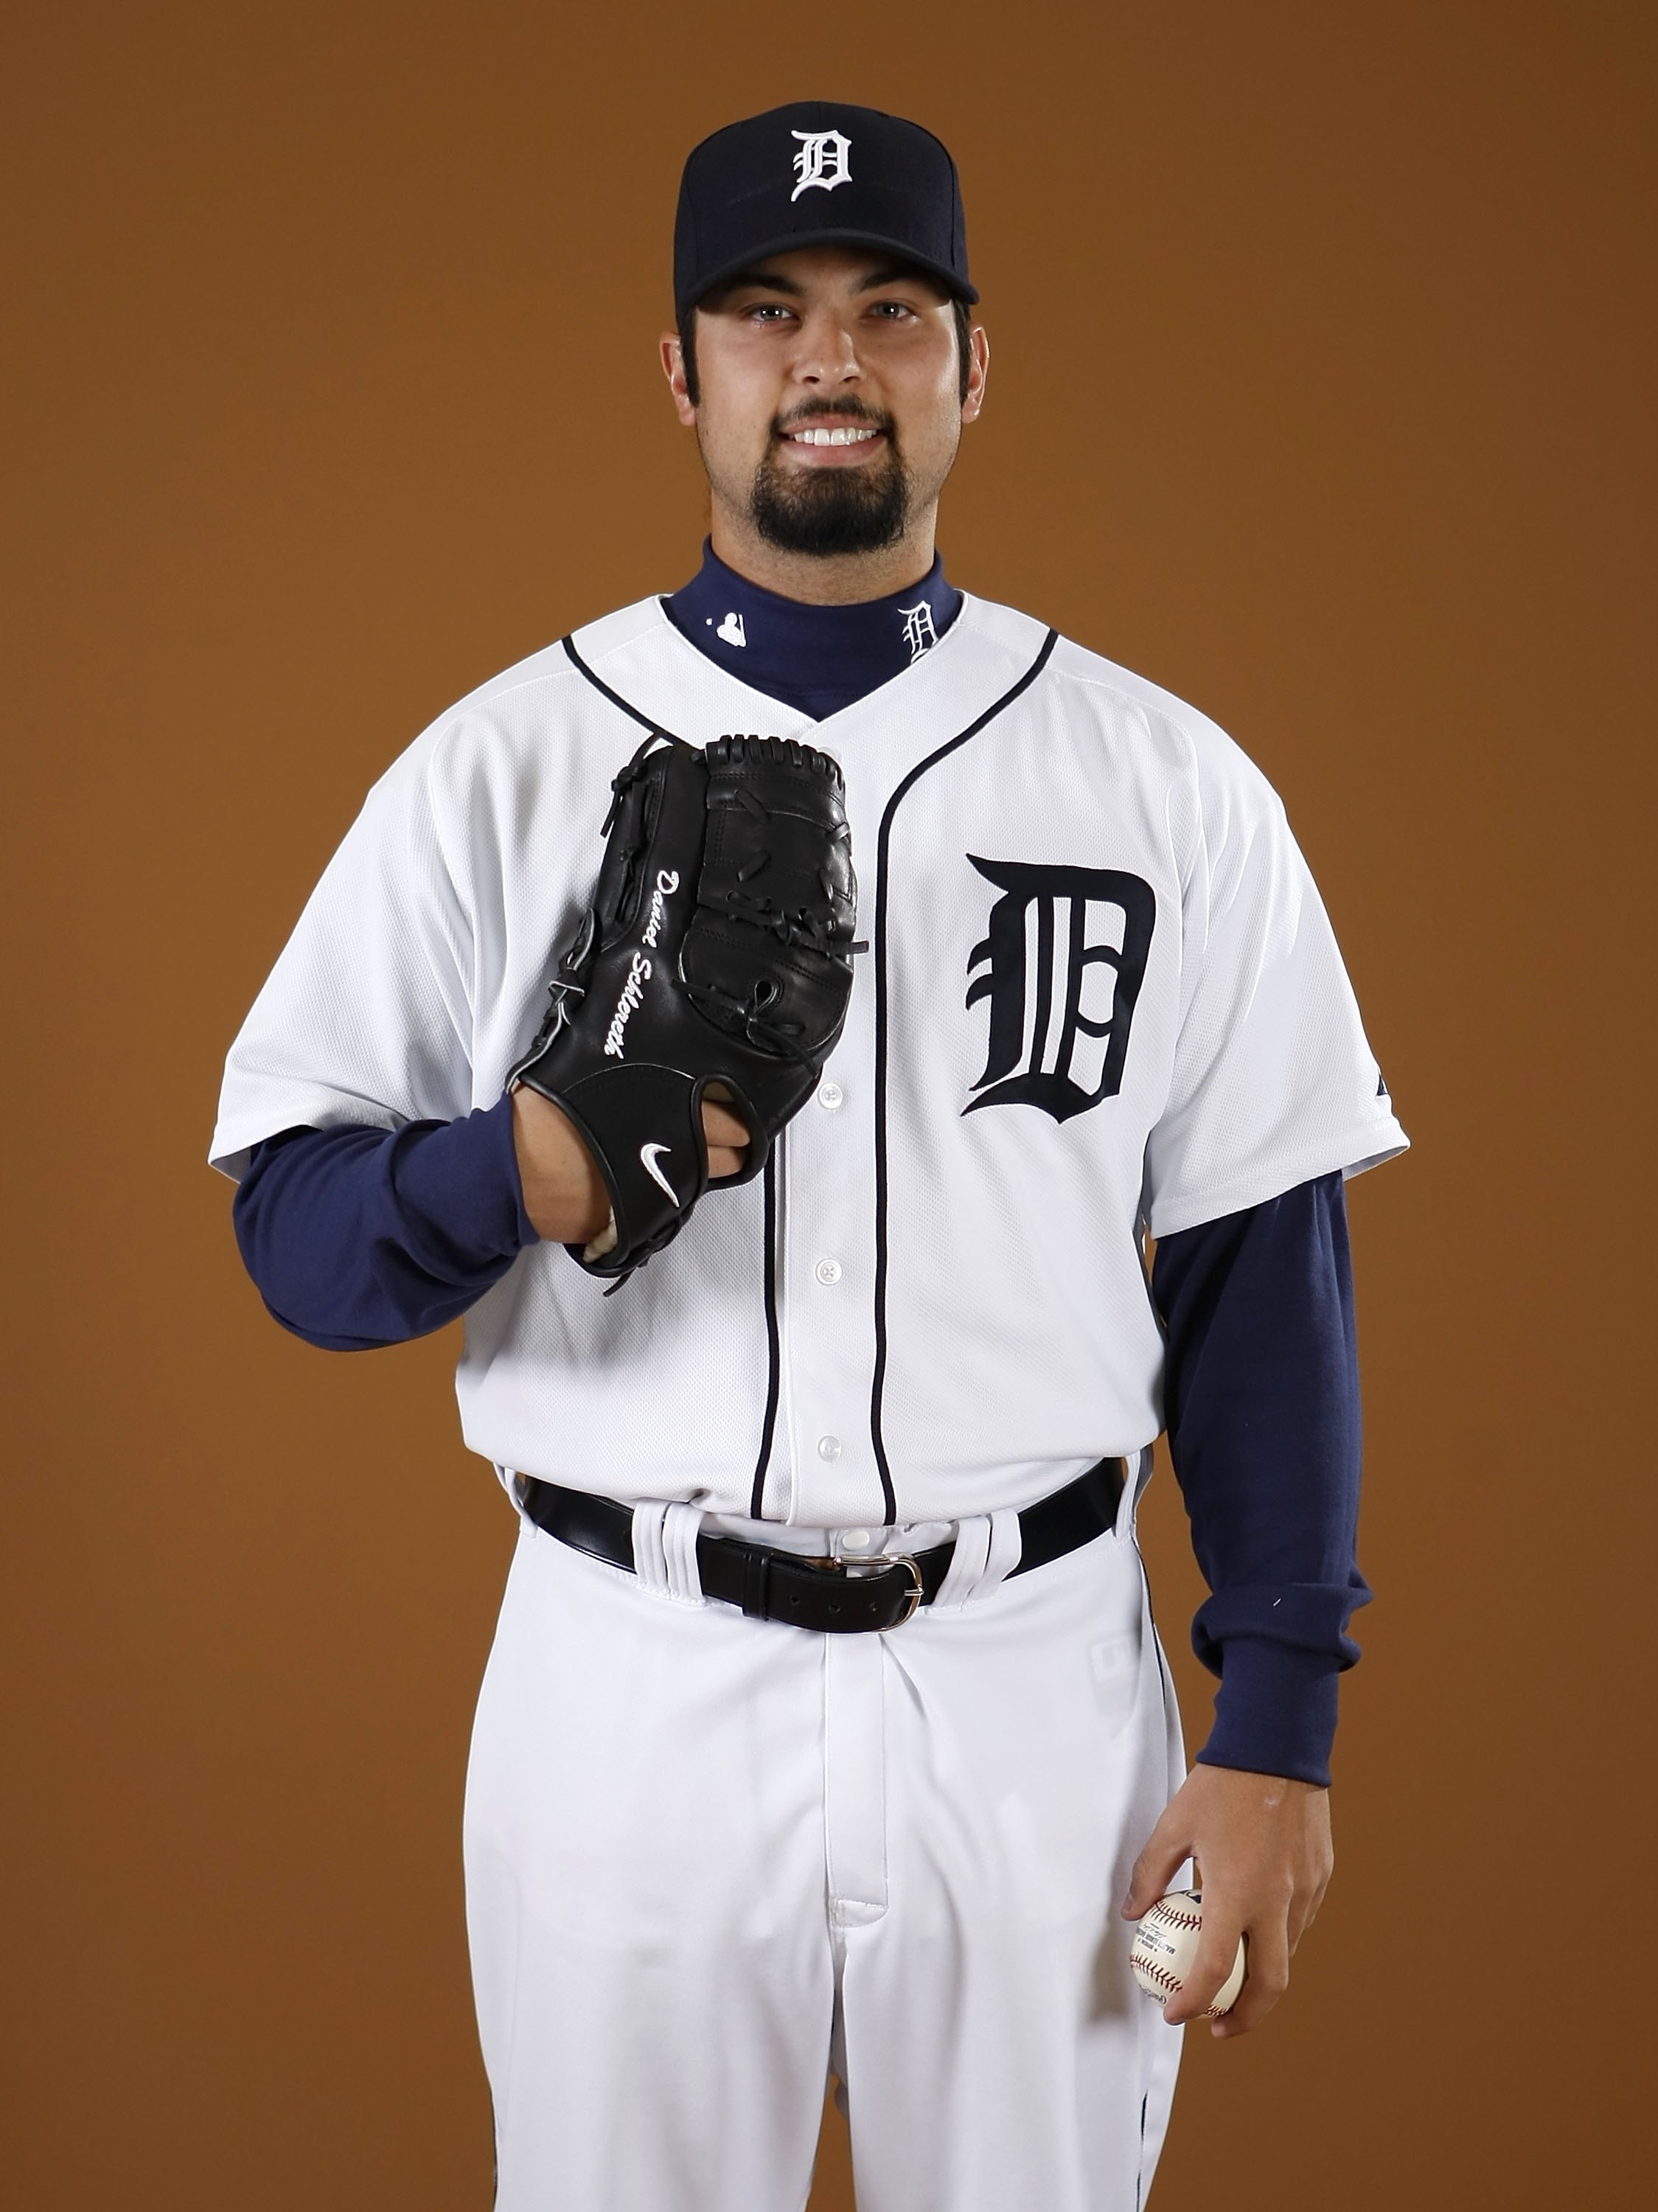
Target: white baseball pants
709, 1857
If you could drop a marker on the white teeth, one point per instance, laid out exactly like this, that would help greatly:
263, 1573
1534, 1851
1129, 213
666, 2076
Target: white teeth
831, 437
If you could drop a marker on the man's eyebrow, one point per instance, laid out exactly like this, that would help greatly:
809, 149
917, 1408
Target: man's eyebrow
745, 277
890, 272
895, 273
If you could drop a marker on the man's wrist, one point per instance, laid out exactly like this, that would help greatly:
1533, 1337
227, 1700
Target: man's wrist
564, 1195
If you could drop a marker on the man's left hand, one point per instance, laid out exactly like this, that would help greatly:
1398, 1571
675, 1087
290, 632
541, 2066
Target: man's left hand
1260, 1845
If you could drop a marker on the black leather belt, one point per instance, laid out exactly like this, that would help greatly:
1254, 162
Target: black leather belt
835, 1595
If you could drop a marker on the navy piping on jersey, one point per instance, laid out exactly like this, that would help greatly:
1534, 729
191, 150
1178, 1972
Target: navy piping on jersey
774, 1348
883, 843
616, 697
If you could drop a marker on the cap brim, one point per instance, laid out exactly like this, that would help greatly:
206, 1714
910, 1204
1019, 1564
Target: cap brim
790, 241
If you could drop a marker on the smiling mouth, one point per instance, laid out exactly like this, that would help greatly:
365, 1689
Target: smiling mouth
856, 433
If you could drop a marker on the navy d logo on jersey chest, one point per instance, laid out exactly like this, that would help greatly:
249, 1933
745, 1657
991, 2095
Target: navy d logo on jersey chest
1064, 956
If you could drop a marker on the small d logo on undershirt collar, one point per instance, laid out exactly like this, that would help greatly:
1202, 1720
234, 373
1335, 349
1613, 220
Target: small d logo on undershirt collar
919, 632
822, 161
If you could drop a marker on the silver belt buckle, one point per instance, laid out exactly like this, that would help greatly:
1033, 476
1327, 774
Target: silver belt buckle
878, 1565
917, 1589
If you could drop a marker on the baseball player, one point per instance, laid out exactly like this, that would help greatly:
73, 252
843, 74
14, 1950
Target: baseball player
782, 1017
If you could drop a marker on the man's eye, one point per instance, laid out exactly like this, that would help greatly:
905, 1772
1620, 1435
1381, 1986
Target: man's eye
765, 309
890, 310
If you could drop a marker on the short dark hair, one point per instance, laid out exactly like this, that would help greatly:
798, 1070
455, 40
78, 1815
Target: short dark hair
964, 347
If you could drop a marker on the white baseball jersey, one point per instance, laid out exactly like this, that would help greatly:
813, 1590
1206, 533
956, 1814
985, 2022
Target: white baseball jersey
1101, 995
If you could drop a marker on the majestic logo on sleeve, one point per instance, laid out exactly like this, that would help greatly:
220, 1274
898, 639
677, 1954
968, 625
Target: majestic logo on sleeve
1064, 957
822, 161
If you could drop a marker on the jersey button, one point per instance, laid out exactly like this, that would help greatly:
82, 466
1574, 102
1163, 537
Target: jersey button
831, 1095
828, 1447
828, 1270
854, 1540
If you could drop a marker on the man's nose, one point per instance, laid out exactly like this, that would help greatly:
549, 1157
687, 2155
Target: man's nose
827, 352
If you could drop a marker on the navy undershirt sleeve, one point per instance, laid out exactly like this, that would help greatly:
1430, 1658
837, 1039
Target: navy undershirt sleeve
1262, 1408
357, 1238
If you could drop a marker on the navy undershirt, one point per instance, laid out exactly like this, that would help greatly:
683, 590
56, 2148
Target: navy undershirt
356, 1238
818, 659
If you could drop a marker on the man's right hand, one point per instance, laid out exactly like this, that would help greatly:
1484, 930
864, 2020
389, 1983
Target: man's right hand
564, 1194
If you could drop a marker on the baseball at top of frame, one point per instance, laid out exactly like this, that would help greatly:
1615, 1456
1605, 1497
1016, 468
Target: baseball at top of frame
1166, 1946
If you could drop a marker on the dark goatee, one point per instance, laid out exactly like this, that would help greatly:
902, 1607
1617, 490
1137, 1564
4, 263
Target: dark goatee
828, 511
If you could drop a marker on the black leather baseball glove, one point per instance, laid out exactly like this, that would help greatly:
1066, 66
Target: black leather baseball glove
716, 959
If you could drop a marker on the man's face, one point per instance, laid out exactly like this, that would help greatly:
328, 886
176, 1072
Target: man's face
829, 404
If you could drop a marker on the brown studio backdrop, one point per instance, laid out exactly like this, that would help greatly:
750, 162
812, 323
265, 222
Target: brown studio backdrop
1318, 334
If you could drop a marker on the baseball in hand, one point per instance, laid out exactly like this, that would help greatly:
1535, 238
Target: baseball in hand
1165, 1945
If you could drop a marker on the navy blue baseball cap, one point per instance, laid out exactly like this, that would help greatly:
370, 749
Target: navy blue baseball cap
819, 172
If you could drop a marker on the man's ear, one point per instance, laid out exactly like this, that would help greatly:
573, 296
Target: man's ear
973, 400
673, 367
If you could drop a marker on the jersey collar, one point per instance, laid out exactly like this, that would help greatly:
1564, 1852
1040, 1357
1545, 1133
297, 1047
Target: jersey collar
638, 654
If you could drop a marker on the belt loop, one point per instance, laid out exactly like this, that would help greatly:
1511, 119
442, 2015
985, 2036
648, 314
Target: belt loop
650, 1559
987, 1551
967, 1562
665, 1548
1006, 1546
1137, 1472
679, 1532
757, 1582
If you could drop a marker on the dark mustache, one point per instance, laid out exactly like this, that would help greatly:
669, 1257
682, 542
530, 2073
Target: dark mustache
821, 412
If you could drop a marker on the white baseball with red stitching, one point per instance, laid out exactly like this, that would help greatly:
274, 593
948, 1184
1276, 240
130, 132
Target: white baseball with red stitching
1166, 1945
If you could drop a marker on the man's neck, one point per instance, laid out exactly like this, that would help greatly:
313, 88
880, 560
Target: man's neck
836, 579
